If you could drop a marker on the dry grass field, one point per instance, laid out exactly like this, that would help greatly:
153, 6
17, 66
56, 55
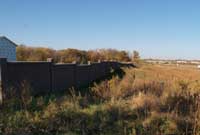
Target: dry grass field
150, 100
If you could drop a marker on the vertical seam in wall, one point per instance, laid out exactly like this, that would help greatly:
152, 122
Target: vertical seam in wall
75, 79
51, 78
89, 67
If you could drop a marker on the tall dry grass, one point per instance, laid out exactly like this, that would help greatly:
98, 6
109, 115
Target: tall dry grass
159, 94
150, 100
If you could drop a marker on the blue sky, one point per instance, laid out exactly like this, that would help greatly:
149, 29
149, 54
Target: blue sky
156, 28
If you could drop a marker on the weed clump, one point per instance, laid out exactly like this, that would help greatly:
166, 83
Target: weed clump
146, 101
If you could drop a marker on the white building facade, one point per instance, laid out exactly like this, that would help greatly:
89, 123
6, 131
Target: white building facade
7, 49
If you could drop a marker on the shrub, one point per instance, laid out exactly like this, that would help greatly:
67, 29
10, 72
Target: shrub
145, 101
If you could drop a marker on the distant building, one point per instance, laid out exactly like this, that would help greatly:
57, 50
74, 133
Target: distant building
181, 62
7, 49
195, 62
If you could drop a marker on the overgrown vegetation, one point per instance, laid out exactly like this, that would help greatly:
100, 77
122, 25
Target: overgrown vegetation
25, 53
151, 100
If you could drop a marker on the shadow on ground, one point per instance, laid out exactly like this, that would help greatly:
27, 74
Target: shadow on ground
117, 73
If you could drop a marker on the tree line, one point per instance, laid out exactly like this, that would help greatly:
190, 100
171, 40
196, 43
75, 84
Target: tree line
25, 53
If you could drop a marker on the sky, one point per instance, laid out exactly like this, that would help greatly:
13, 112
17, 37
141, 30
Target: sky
165, 29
